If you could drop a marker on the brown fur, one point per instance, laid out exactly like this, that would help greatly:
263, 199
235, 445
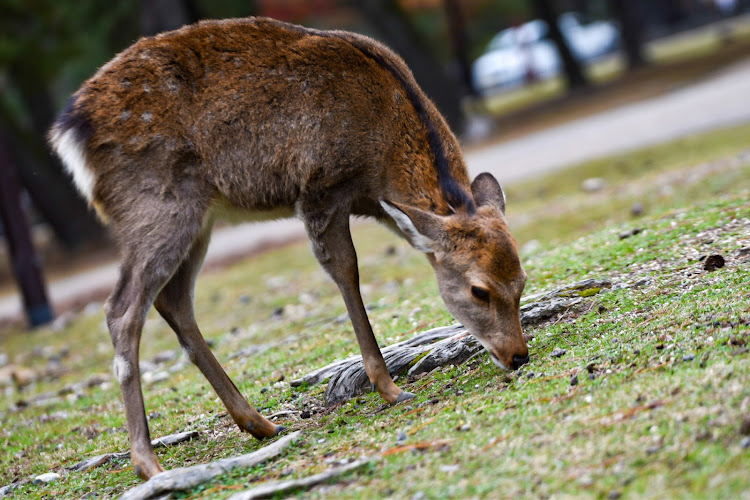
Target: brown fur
259, 116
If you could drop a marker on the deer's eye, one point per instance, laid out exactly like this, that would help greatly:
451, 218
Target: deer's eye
480, 293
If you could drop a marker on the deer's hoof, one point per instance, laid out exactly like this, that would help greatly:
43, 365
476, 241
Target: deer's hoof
404, 396
147, 470
280, 429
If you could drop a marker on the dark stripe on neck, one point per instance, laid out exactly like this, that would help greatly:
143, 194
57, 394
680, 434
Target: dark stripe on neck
453, 192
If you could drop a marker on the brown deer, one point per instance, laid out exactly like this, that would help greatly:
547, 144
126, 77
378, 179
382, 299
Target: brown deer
270, 119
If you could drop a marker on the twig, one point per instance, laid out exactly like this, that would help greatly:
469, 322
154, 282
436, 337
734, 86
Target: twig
493, 442
416, 446
275, 487
185, 478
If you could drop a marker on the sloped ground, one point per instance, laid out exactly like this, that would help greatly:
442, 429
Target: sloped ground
639, 391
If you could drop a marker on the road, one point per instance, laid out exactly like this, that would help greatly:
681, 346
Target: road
717, 101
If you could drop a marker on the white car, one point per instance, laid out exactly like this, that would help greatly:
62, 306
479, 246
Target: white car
515, 54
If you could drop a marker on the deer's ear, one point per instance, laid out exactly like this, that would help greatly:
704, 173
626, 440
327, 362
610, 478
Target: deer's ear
487, 191
420, 228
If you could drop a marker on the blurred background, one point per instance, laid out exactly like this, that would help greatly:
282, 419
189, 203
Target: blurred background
497, 69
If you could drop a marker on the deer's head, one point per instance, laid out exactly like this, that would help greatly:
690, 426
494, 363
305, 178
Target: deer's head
478, 268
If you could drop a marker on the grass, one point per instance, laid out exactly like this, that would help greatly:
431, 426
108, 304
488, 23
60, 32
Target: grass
660, 360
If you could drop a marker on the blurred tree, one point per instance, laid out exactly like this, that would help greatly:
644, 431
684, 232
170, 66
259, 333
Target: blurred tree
41, 44
391, 23
157, 16
628, 14
575, 77
460, 41
24, 259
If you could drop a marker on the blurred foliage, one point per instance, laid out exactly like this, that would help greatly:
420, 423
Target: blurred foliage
59, 44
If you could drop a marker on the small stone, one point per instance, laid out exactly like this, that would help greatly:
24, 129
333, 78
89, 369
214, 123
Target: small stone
593, 184
449, 468
745, 426
629, 233
713, 262
653, 449
321, 440
47, 478
637, 209
465, 428
614, 495
688, 357
244, 299
586, 481
558, 352
305, 414
264, 390
745, 443
401, 437
418, 495
574, 379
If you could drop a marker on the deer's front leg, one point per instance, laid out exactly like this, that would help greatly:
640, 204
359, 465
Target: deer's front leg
334, 249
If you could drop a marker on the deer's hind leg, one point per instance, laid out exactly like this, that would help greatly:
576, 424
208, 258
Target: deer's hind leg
154, 239
175, 304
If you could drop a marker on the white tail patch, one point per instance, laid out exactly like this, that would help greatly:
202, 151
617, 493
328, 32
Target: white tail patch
417, 239
73, 156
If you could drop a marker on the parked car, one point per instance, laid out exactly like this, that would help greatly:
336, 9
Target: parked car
520, 53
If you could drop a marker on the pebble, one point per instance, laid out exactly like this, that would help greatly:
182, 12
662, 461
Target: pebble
688, 357
305, 414
586, 481
593, 184
449, 468
465, 427
713, 262
574, 379
47, 478
745, 443
418, 495
629, 233
558, 352
614, 495
401, 437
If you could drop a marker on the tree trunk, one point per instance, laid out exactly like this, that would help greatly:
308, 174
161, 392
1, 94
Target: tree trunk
388, 20
41, 173
23, 256
165, 15
460, 42
628, 14
573, 72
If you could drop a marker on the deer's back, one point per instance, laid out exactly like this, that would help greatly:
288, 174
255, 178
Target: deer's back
255, 109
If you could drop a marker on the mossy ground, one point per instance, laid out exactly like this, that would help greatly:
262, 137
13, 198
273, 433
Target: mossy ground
660, 361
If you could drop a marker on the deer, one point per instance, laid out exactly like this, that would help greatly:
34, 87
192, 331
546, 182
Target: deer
265, 119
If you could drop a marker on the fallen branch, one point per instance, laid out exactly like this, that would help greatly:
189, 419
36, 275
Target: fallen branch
98, 460
185, 478
441, 346
275, 487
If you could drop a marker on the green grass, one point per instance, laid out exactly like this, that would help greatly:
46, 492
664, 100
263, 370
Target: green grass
661, 367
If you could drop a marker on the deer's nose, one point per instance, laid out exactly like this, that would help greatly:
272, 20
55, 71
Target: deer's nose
519, 361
